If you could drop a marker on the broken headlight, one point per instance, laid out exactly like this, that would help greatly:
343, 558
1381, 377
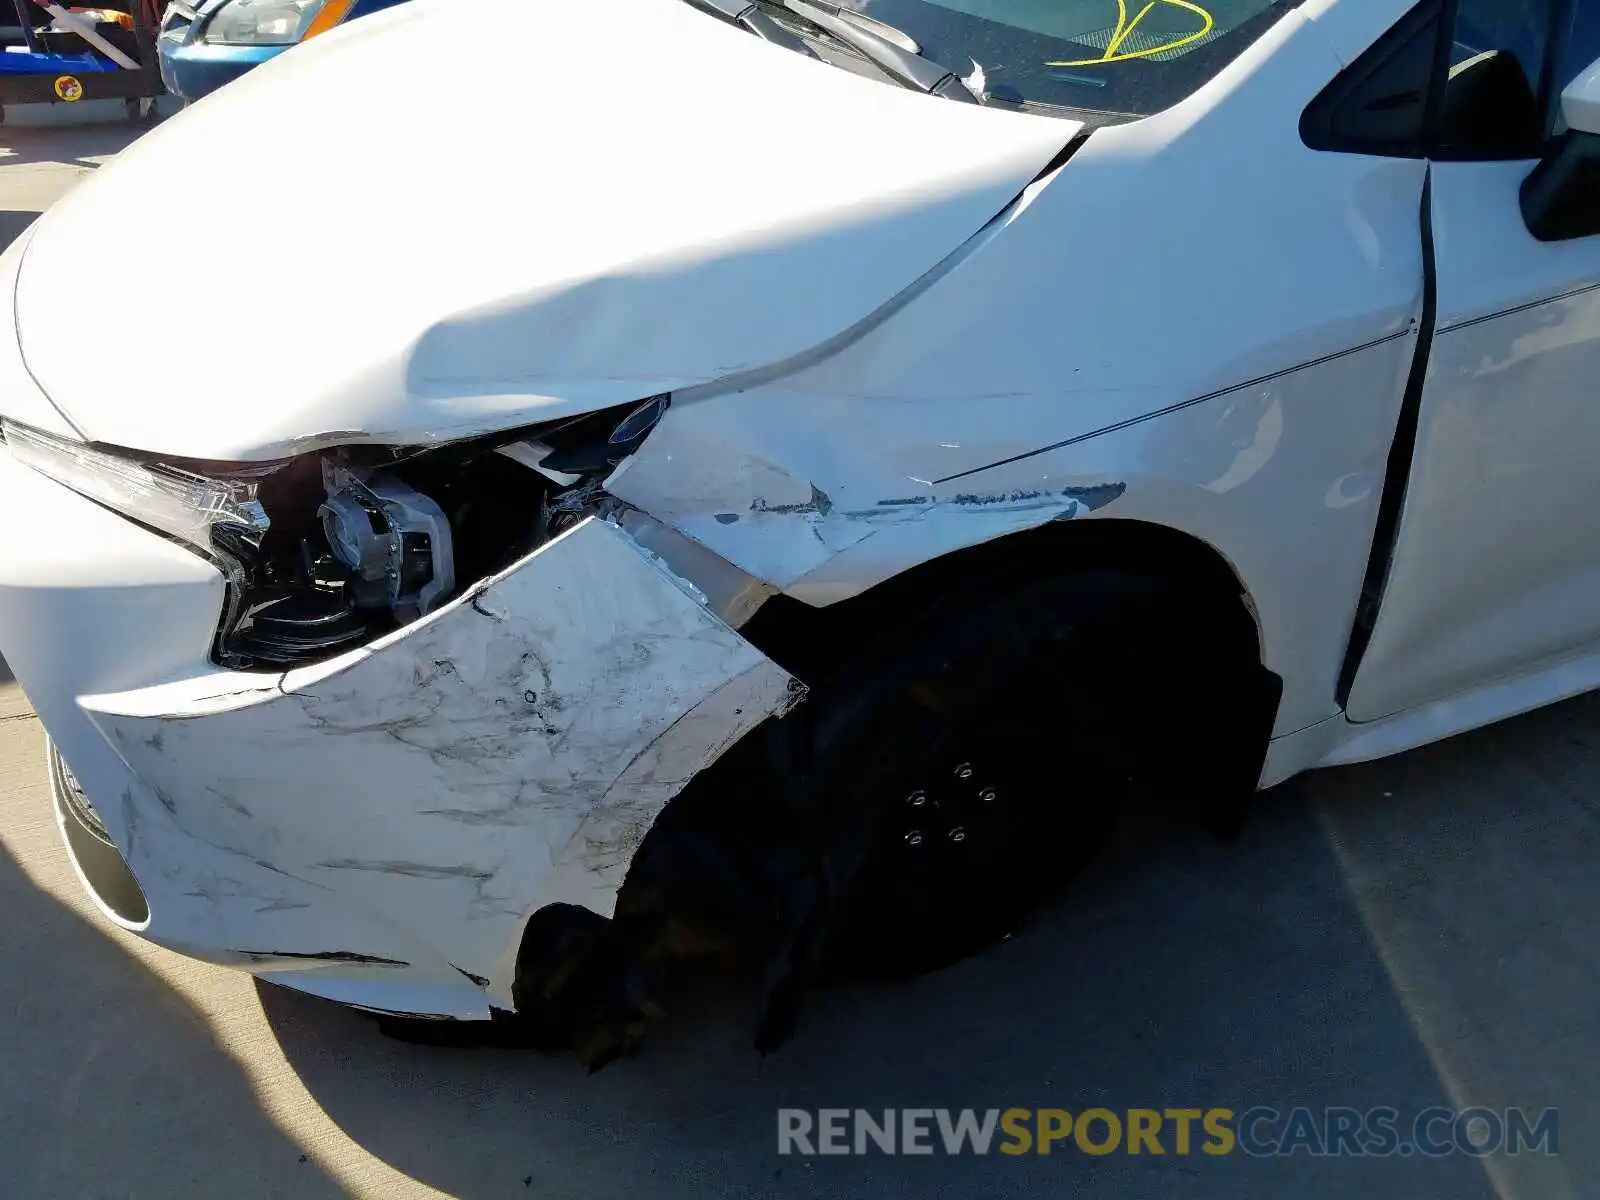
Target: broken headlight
354, 551
364, 540
393, 540
326, 551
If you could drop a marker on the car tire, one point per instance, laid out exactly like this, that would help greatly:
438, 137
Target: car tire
973, 764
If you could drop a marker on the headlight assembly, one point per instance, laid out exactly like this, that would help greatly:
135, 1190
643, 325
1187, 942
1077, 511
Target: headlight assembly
328, 550
272, 22
178, 503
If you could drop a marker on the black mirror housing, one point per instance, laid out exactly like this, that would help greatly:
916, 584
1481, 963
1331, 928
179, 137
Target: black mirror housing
1561, 198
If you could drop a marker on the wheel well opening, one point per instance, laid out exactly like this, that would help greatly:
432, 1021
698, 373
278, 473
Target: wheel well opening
752, 840
808, 641
816, 644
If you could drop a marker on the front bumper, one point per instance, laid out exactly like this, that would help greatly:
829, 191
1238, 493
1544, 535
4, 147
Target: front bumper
195, 70
377, 828
191, 68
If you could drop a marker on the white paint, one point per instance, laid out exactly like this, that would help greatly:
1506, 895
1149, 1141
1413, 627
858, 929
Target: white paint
1348, 27
1339, 741
92, 603
1498, 562
976, 83
377, 989
1580, 102
20, 397
1138, 278
1543, 683
542, 719
497, 255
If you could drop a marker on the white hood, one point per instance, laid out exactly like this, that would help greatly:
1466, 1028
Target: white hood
461, 215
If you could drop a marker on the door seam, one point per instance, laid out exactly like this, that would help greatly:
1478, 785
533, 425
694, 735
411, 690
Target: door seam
1397, 473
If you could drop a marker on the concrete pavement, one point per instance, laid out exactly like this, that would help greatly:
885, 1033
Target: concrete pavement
1416, 932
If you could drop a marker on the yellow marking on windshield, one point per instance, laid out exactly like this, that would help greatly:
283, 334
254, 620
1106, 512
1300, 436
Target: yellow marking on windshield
1123, 28
1126, 27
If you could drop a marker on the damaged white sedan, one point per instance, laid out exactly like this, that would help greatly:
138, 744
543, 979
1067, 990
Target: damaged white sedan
784, 474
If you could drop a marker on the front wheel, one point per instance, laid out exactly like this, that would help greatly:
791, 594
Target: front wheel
970, 774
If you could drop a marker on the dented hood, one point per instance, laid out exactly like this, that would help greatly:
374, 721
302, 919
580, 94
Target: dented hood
360, 241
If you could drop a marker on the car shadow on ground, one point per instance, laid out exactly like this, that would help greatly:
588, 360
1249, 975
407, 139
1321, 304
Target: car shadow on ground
1179, 973
115, 1084
12, 223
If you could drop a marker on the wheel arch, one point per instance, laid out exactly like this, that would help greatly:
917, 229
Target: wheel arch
745, 805
1195, 570
1229, 722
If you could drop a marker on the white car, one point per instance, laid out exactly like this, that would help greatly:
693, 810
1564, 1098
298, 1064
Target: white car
947, 417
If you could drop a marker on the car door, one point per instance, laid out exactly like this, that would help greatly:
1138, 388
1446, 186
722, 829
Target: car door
1495, 566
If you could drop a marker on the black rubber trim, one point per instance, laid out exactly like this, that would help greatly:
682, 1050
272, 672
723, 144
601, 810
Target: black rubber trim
1438, 80
1061, 159
1397, 476
333, 957
1564, 14
1319, 120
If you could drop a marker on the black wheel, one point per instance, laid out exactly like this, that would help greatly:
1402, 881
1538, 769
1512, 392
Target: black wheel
971, 830
978, 762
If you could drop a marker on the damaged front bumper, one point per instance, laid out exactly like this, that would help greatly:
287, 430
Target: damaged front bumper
379, 827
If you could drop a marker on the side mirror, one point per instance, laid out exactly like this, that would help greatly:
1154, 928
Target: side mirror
1561, 199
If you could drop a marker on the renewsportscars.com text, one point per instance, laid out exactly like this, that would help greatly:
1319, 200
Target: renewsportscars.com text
1260, 1132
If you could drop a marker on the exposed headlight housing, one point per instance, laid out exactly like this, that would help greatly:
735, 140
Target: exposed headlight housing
394, 541
272, 22
360, 540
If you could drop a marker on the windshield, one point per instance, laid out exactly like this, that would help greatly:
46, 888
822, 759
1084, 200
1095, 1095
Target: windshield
1121, 58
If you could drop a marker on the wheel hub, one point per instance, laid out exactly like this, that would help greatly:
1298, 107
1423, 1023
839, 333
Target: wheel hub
956, 812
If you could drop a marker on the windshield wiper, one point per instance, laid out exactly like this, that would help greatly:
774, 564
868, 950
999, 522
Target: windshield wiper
888, 51
889, 56
749, 16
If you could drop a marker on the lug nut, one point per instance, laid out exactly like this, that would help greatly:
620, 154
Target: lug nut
958, 834
914, 838
964, 771
987, 796
917, 799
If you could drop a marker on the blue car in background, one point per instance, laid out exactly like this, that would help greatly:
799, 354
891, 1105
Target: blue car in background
205, 43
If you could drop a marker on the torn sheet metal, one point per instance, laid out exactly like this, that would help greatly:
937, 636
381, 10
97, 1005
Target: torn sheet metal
814, 541
508, 750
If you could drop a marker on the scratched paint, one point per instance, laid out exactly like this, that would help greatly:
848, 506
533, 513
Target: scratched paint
512, 748
789, 531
